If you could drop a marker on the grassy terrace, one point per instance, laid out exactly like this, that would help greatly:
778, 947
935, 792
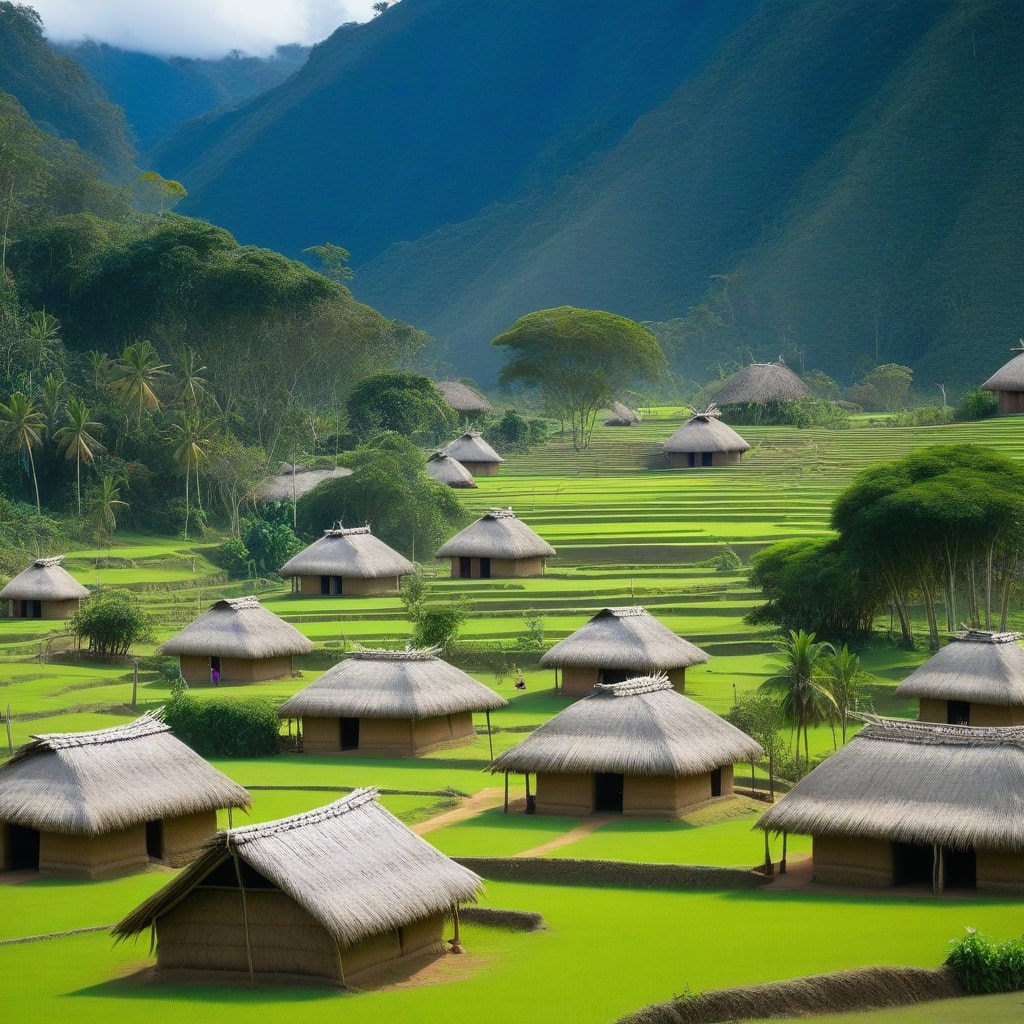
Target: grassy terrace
627, 531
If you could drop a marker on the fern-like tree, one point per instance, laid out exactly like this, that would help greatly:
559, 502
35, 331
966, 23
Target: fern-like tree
104, 505
136, 376
192, 448
77, 440
22, 424
800, 686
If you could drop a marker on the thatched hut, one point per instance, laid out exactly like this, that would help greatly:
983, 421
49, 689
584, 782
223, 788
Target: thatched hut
496, 545
619, 644
976, 679
108, 802
761, 383
1008, 383
346, 562
45, 590
292, 482
329, 894
637, 748
465, 400
622, 416
446, 470
475, 454
241, 640
704, 440
390, 702
914, 803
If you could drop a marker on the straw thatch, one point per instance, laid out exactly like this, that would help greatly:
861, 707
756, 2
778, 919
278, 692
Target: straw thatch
462, 398
622, 416
92, 783
975, 665
44, 580
498, 534
704, 432
624, 638
910, 782
391, 684
472, 448
296, 481
446, 470
639, 727
760, 383
352, 866
238, 627
1010, 376
350, 553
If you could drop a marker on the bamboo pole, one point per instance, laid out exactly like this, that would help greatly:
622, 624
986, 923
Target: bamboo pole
768, 868
10, 739
245, 916
490, 738
506, 785
782, 863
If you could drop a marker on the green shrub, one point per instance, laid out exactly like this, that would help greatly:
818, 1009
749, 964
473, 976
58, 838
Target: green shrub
233, 557
922, 416
111, 621
243, 727
982, 967
976, 405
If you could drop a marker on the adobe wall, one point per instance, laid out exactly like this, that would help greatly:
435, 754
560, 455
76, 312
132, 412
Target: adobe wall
931, 709
105, 856
183, 837
517, 567
571, 795
677, 677
351, 586
321, 735
1000, 872
846, 861
577, 682
391, 735
481, 468
681, 460
1011, 403
60, 609
195, 670
442, 731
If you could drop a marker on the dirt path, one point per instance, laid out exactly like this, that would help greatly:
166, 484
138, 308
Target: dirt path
571, 836
469, 808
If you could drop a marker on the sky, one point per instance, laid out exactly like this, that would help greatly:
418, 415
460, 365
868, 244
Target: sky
197, 28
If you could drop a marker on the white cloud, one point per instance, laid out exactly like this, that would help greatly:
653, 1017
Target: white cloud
198, 28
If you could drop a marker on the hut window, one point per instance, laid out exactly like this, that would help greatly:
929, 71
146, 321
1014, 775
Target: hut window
155, 839
716, 782
348, 733
958, 712
22, 846
608, 788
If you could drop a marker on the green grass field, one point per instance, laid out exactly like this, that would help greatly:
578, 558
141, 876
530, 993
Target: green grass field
627, 531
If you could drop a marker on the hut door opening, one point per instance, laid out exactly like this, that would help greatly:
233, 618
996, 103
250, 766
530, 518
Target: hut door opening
615, 675
336, 585
325, 585
22, 846
349, 728
706, 458
716, 782
958, 712
608, 787
912, 865
465, 568
485, 568
31, 609
960, 869
155, 840
691, 459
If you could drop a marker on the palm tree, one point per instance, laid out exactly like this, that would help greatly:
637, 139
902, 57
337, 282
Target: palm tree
41, 341
193, 387
191, 434
76, 439
844, 679
51, 400
799, 684
23, 426
135, 378
104, 505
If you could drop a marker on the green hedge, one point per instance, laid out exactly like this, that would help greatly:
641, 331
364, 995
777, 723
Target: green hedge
245, 727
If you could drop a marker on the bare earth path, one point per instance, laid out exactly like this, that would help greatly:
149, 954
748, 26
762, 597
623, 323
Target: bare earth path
571, 836
469, 808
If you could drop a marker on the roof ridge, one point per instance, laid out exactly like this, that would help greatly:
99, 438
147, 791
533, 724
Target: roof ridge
634, 687
261, 830
149, 724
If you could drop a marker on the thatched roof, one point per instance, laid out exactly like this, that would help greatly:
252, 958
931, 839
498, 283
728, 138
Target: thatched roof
471, 447
446, 470
352, 865
295, 481
238, 627
462, 398
391, 684
44, 580
498, 534
1010, 376
639, 727
352, 553
762, 382
622, 416
976, 665
624, 638
90, 783
915, 782
704, 432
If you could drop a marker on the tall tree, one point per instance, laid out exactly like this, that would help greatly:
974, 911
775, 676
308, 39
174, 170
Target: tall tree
136, 376
844, 679
77, 440
578, 360
23, 424
192, 442
104, 505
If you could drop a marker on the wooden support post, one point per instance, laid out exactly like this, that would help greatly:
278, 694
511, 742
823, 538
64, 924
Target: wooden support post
245, 916
455, 942
135, 684
936, 869
490, 738
10, 737
769, 868
506, 787
782, 863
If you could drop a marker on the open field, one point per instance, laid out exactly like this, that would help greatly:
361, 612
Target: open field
626, 533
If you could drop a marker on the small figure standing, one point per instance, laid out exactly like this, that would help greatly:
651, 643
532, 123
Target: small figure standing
214, 675
520, 681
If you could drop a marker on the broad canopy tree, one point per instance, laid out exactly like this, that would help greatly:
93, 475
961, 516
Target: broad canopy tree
578, 360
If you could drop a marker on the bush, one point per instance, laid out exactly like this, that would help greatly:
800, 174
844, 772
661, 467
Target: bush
233, 557
111, 621
982, 967
923, 416
976, 405
244, 727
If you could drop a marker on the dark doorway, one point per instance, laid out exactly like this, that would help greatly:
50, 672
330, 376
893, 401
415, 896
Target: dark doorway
958, 712
616, 675
706, 458
608, 787
31, 609
465, 568
485, 568
691, 459
911, 864
215, 662
349, 733
716, 782
325, 585
959, 869
155, 840
22, 848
